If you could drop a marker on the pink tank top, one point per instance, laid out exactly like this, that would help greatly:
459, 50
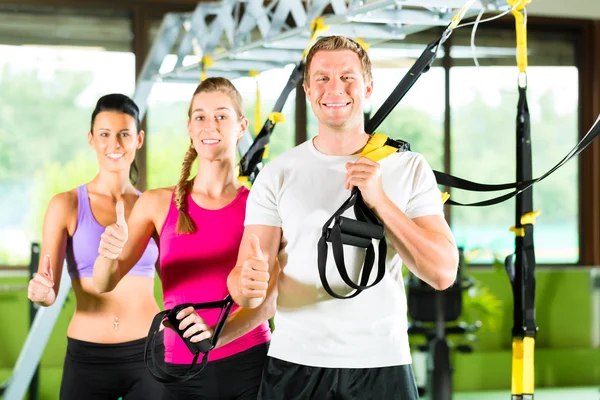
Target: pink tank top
194, 269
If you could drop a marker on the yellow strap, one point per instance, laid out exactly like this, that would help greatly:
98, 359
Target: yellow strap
206, 63
257, 112
521, 32
375, 149
526, 219
276, 117
266, 152
316, 27
245, 182
376, 141
363, 44
523, 377
529, 218
517, 367
528, 365
518, 231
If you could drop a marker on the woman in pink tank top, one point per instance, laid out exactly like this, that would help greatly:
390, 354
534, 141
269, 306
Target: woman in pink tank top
106, 335
200, 223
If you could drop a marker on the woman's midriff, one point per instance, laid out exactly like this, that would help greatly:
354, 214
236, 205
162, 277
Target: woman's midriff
123, 315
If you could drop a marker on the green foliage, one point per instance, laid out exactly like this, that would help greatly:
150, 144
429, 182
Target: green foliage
480, 304
43, 134
55, 178
167, 141
40, 120
483, 150
44, 151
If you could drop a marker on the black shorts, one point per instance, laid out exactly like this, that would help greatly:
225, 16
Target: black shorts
233, 378
96, 371
284, 380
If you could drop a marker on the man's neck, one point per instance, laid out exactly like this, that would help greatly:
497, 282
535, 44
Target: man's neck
340, 143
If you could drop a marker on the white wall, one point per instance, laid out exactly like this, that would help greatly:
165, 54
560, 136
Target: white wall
565, 8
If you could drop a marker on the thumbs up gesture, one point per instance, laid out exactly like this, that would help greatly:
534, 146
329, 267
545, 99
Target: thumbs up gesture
114, 237
41, 286
255, 272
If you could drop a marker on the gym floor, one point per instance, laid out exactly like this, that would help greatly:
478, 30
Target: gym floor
584, 393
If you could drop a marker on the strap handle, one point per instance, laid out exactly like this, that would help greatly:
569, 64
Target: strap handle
334, 234
161, 375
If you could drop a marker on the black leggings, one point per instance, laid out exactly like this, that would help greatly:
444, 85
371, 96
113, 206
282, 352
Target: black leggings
96, 371
284, 380
233, 378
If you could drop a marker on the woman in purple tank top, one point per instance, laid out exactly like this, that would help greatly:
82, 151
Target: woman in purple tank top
200, 223
106, 335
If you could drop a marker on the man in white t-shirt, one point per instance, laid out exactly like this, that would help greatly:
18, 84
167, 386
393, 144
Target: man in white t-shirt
326, 348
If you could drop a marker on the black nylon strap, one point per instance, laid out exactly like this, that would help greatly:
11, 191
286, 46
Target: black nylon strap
253, 157
334, 235
524, 285
521, 186
162, 375
421, 66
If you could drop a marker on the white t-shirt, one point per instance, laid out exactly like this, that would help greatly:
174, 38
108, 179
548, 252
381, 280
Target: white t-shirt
299, 191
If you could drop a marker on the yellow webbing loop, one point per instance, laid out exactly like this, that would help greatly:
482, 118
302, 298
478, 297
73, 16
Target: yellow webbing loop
523, 366
363, 44
517, 367
375, 149
317, 26
518, 231
521, 32
276, 117
528, 365
206, 62
526, 219
445, 197
257, 112
529, 218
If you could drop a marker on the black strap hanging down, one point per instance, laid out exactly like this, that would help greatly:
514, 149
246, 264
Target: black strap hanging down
421, 66
522, 272
203, 347
249, 163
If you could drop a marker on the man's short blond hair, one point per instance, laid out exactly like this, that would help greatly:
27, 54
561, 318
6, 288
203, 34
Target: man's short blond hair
332, 43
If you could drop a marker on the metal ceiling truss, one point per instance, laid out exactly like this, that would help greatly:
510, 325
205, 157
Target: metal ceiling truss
233, 37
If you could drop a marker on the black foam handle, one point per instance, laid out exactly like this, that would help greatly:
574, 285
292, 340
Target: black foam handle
351, 240
195, 347
361, 229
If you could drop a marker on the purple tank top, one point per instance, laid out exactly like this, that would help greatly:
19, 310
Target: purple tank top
82, 248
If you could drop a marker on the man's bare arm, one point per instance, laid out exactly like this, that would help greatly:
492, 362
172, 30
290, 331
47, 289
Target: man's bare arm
425, 244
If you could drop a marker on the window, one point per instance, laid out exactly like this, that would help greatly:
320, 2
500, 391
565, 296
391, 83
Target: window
48, 89
483, 110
